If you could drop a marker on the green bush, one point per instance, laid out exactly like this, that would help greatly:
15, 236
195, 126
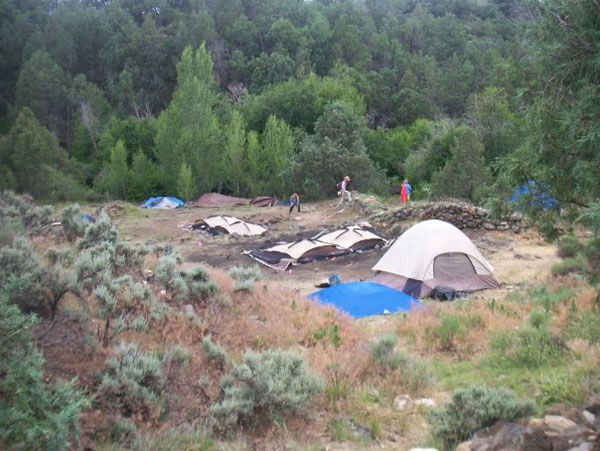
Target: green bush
472, 409
72, 224
586, 327
271, 385
245, 277
415, 375
529, 347
21, 209
563, 388
133, 379
538, 319
445, 333
101, 233
9, 229
33, 414
569, 246
38, 288
577, 265
214, 352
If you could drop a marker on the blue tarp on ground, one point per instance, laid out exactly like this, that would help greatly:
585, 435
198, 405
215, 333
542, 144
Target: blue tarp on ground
535, 195
361, 299
152, 202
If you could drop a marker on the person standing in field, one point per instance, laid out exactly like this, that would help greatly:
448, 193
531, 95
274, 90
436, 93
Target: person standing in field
344, 193
405, 192
294, 202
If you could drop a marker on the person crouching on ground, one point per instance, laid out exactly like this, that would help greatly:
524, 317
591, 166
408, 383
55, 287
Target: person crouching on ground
344, 192
405, 192
294, 202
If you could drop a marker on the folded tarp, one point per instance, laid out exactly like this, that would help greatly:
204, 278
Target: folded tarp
353, 238
361, 299
228, 224
219, 200
162, 203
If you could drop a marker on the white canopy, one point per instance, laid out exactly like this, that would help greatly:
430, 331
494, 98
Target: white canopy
350, 237
234, 225
302, 248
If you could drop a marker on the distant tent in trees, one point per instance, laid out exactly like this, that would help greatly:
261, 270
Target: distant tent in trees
533, 195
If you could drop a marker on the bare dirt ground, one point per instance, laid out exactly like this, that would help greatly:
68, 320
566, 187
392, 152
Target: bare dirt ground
517, 258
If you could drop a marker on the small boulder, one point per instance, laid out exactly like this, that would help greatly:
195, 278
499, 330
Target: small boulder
426, 402
559, 424
464, 446
585, 446
590, 418
189, 309
402, 402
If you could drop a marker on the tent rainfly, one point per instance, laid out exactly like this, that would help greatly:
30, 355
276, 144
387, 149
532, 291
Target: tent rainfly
162, 203
434, 254
283, 255
353, 238
218, 200
229, 224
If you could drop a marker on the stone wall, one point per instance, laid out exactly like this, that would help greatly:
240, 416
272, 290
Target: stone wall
461, 214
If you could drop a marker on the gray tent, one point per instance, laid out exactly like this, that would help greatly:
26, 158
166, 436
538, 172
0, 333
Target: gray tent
434, 254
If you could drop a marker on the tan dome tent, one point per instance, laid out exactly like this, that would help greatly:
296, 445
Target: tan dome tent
434, 254
229, 224
354, 238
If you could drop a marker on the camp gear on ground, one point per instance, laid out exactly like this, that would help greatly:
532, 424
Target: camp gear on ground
334, 280
228, 224
162, 203
447, 294
434, 253
361, 299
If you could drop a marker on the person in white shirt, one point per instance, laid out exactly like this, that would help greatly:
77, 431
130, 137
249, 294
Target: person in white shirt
344, 191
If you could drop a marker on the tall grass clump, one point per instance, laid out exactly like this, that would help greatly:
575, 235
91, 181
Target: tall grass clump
569, 246
271, 385
529, 347
413, 374
245, 277
472, 409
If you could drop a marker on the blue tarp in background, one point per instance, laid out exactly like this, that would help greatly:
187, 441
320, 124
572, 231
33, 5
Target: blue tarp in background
535, 195
361, 299
153, 201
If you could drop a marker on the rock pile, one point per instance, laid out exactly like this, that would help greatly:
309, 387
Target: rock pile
560, 429
461, 214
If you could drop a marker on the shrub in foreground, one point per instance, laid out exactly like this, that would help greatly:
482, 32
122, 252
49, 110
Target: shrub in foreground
271, 385
33, 414
133, 378
472, 409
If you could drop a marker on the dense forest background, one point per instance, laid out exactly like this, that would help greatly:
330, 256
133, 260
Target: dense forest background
131, 98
